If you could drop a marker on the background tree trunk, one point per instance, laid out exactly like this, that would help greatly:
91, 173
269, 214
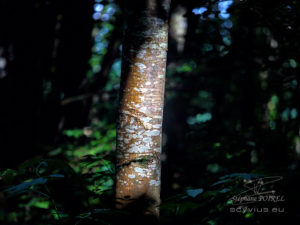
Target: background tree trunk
139, 130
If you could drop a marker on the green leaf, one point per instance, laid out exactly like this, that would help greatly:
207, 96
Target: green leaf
75, 133
293, 63
41, 204
248, 215
29, 163
212, 222
221, 182
194, 192
229, 202
18, 189
225, 190
8, 176
56, 176
246, 176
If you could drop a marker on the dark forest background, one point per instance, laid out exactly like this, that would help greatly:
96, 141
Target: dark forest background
231, 110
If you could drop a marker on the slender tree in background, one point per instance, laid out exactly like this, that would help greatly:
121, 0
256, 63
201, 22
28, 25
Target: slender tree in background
139, 129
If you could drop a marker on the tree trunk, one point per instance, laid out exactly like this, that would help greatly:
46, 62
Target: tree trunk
139, 129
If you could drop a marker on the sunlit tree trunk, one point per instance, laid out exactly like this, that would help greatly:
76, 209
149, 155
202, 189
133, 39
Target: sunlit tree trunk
139, 131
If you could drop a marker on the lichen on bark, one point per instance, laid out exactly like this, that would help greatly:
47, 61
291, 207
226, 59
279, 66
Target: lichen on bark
139, 129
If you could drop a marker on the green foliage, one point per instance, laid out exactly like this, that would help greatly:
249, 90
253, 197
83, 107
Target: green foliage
8, 176
208, 205
84, 164
186, 67
76, 133
194, 192
26, 186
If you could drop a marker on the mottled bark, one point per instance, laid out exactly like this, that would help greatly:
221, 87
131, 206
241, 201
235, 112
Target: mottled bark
141, 105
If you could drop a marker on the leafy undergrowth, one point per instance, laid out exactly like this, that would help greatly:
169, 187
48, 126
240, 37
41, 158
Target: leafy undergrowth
74, 185
50, 191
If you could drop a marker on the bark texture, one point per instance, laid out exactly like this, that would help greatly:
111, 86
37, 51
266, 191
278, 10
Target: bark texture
139, 130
